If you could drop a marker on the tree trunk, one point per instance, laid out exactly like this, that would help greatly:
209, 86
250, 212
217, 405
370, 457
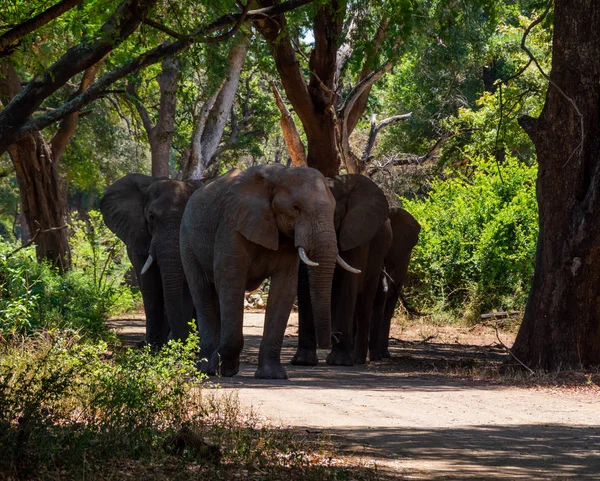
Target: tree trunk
290, 132
315, 102
561, 327
42, 198
162, 133
213, 118
36, 166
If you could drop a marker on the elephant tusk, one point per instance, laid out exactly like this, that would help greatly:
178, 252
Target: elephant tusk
147, 264
346, 266
384, 283
305, 259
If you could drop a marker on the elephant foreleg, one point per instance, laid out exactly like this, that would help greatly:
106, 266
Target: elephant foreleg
157, 327
384, 332
230, 290
306, 353
363, 313
376, 323
343, 299
279, 306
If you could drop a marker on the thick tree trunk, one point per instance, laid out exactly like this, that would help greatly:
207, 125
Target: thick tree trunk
36, 165
561, 328
316, 102
42, 199
162, 133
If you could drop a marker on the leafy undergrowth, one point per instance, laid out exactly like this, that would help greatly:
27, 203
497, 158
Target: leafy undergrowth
72, 409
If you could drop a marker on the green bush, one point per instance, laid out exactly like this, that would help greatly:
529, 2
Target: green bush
477, 244
65, 401
33, 295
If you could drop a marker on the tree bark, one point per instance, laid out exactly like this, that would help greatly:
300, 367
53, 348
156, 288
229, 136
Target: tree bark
160, 135
36, 163
294, 144
561, 327
89, 52
327, 129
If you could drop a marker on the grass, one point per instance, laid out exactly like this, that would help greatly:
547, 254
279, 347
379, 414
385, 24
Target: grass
73, 409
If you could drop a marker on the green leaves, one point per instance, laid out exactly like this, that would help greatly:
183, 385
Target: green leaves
477, 244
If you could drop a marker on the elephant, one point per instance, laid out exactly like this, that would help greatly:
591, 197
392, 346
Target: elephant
405, 229
364, 236
145, 213
240, 229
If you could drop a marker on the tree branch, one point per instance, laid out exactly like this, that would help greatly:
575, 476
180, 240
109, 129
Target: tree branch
67, 127
278, 39
16, 126
375, 129
290, 132
8, 39
77, 59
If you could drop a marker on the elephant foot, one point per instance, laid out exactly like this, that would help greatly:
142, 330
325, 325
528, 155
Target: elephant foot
217, 366
305, 357
360, 359
339, 357
229, 367
385, 353
270, 370
375, 355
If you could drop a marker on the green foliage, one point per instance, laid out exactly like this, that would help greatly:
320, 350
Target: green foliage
71, 409
34, 295
65, 402
476, 249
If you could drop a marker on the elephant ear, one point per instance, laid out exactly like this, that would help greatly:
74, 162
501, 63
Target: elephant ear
122, 208
247, 207
361, 209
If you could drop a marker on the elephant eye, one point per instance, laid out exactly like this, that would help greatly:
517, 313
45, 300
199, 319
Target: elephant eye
296, 207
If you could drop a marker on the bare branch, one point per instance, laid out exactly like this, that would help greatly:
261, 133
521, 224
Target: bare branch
38, 231
375, 129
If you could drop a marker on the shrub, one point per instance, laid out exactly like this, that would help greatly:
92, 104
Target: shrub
64, 400
476, 249
33, 295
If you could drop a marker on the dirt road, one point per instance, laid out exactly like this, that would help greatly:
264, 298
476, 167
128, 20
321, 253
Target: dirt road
429, 426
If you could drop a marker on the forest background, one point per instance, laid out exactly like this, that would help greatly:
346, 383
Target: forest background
459, 163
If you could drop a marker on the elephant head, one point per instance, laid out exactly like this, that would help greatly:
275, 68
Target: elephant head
265, 203
145, 213
360, 210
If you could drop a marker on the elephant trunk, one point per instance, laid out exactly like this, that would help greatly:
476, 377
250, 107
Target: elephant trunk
323, 251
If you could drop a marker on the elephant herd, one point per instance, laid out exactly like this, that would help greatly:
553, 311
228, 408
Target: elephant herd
197, 246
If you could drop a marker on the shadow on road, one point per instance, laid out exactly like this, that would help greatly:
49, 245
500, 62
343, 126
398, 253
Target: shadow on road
491, 452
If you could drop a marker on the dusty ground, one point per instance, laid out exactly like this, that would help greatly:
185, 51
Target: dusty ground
436, 410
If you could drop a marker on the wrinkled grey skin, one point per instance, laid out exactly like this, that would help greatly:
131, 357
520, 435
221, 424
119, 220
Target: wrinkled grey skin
242, 228
405, 230
145, 213
364, 236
